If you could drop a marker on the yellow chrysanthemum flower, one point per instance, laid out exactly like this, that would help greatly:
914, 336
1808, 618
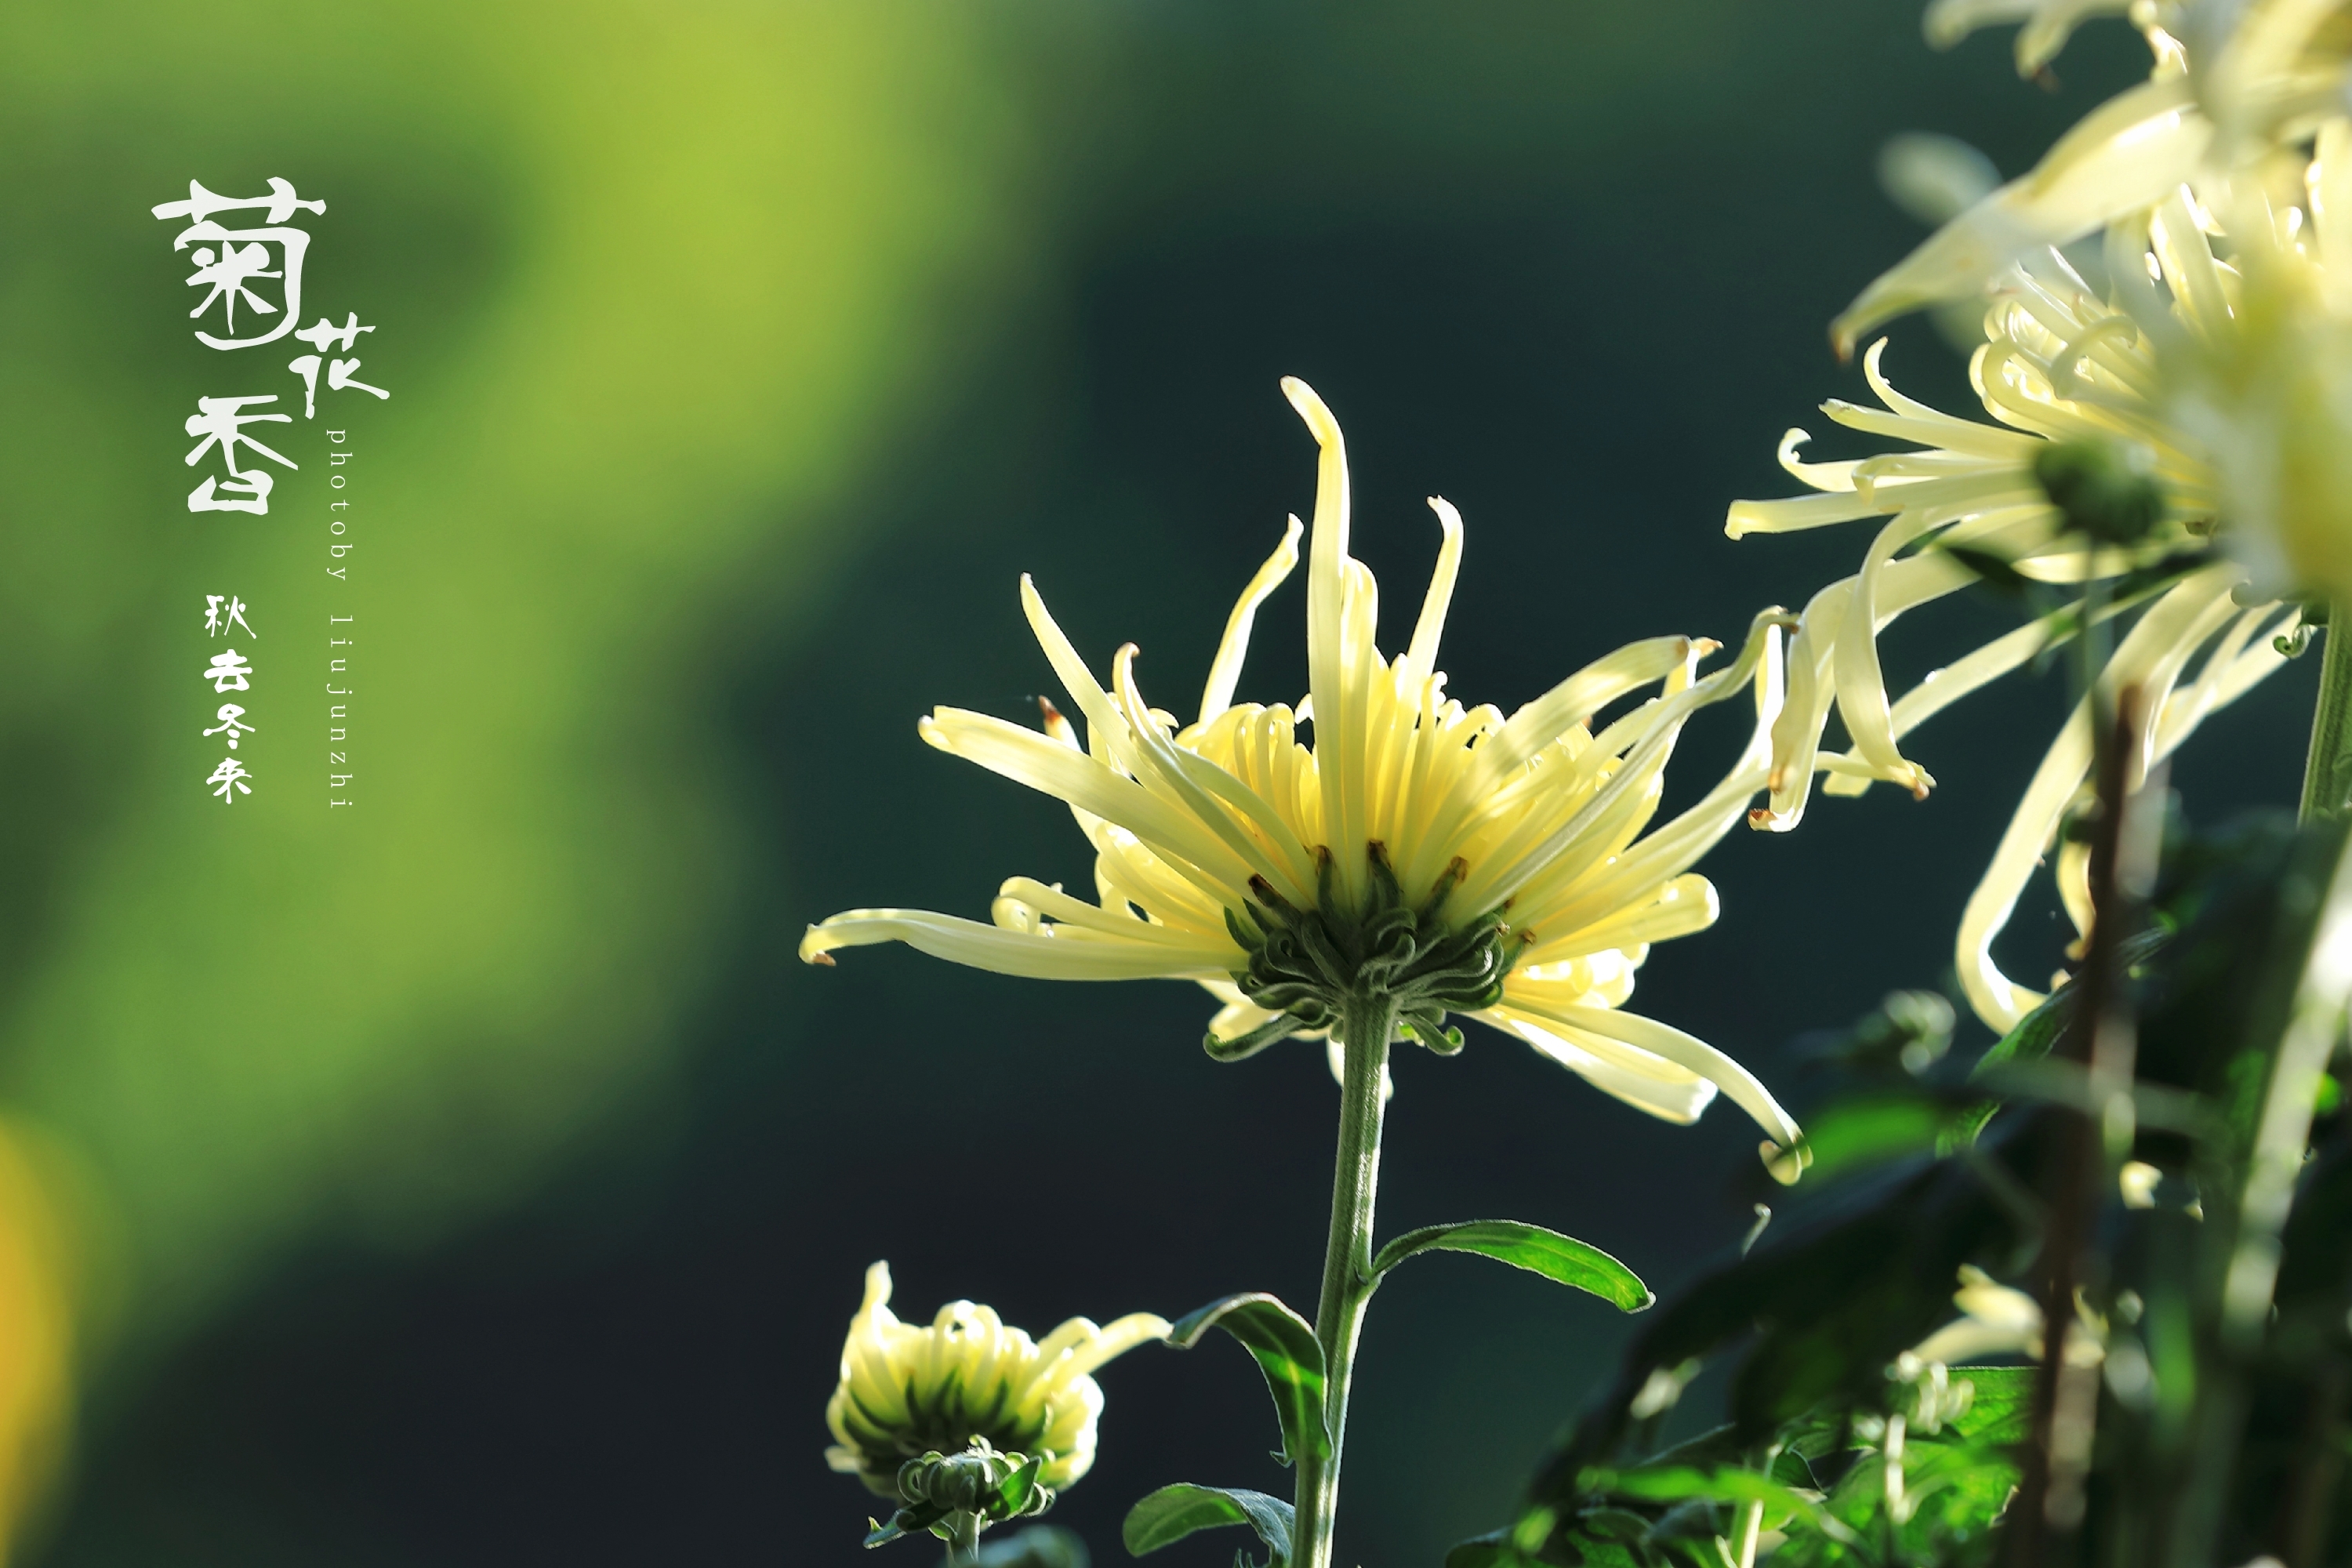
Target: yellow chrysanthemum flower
905, 1391
1453, 857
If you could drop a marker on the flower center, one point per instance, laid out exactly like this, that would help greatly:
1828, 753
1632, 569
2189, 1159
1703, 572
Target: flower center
1308, 964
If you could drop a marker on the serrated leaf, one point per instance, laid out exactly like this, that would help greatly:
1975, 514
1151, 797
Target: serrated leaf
1562, 1259
1171, 1513
1286, 1349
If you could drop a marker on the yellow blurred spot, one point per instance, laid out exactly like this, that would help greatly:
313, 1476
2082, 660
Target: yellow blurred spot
35, 1332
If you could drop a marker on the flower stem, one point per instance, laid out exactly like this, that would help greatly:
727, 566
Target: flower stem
963, 1538
2328, 771
1365, 1028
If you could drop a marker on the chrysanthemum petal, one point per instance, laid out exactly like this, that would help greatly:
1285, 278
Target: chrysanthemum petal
1225, 670
1669, 1093
1029, 758
1686, 1051
2149, 660
1038, 955
1421, 656
2124, 154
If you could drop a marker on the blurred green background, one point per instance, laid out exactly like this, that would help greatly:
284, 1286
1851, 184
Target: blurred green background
472, 1176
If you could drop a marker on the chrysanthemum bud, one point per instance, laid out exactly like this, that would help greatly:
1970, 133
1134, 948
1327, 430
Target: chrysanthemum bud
968, 1381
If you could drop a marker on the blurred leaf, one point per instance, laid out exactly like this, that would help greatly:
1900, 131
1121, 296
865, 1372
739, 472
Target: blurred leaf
1285, 1346
1993, 571
1562, 1259
2002, 1410
1679, 1483
1491, 1549
1042, 1546
398, 1019
1171, 1513
1854, 1134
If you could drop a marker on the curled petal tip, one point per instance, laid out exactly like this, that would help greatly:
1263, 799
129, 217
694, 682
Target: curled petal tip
814, 949
1787, 1161
1312, 410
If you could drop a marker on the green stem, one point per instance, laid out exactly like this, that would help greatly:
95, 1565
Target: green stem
2328, 770
1365, 1029
963, 1538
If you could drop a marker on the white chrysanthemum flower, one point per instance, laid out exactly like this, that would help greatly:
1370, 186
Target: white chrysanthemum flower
2251, 82
2060, 364
2272, 398
2244, 127
2218, 352
2127, 155
2045, 25
905, 1391
1452, 858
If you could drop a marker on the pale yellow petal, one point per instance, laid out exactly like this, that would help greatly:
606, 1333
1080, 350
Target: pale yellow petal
1063, 955
1225, 670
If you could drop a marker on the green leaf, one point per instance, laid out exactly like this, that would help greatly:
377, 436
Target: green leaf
1286, 1351
1171, 1513
1676, 1483
1016, 1489
1870, 1129
1041, 1546
912, 1519
1995, 571
1562, 1259
2001, 1409
1492, 1550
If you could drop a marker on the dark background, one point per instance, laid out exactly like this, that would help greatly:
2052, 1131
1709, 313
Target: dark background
1568, 266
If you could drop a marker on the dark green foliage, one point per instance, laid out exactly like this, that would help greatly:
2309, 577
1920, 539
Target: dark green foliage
2214, 1443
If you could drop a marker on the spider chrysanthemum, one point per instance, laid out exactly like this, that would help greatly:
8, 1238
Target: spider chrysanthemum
2210, 355
1379, 836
